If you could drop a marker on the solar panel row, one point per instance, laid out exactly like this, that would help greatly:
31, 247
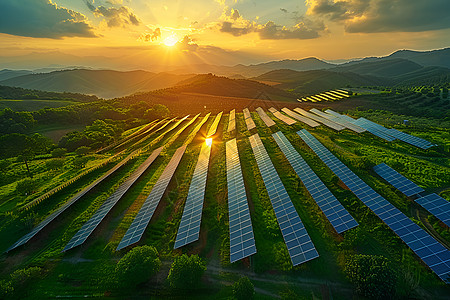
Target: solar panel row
410, 139
172, 139
301, 118
212, 130
338, 120
248, 119
330, 206
88, 227
374, 129
298, 242
437, 206
324, 121
282, 117
266, 119
143, 217
242, 240
194, 131
400, 182
189, 228
432, 253
232, 121
67, 204
160, 137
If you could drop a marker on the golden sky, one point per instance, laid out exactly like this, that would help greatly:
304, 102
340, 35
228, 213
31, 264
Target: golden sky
130, 34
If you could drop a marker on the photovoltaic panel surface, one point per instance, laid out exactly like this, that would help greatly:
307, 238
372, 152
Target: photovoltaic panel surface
66, 205
374, 129
282, 117
248, 119
330, 206
197, 128
242, 240
232, 121
189, 228
396, 179
88, 227
298, 242
266, 119
437, 206
301, 118
212, 130
410, 139
432, 253
143, 217
246, 113
338, 120
319, 119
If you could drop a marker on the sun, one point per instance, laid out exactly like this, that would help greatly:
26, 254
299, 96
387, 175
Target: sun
170, 41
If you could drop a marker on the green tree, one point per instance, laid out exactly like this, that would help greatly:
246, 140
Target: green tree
26, 186
186, 272
243, 289
80, 162
138, 265
158, 111
373, 276
83, 150
55, 164
59, 152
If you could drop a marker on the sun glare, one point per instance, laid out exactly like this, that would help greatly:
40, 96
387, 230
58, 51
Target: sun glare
209, 142
170, 41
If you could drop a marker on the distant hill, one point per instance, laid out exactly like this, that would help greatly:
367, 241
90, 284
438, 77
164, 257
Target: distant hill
102, 83
16, 93
311, 82
7, 74
381, 68
436, 58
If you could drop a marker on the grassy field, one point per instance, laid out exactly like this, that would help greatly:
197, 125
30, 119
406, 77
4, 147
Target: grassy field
32, 105
86, 270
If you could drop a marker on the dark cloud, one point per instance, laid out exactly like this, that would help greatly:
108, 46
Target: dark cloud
235, 24
42, 19
121, 16
284, 10
153, 35
384, 15
236, 31
302, 30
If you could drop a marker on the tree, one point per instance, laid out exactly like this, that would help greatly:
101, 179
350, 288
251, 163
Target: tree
158, 111
59, 152
372, 275
138, 265
83, 150
26, 186
243, 289
186, 271
55, 164
80, 162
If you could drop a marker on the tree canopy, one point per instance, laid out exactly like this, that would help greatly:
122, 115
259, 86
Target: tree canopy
186, 272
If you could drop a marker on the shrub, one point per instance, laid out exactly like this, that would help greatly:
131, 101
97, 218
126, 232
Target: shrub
243, 289
26, 186
54, 164
186, 272
83, 150
58, 152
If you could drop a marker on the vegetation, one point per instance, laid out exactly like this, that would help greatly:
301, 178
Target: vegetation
243, 289
186, 272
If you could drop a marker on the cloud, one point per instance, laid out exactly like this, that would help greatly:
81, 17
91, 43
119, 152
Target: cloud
284, 10
42, 19
121, 16
232, 22
187, 44
152, 35
367, 16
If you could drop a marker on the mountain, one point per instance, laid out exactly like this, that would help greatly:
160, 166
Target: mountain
436, 58
380, 68
16, 93
311, 82
7, 74
102, 83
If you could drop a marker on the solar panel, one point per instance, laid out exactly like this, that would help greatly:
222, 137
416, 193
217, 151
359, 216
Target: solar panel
319, 119
193, 133
330, 206
338, 120
88, 227
344, 117
410, 139
66, 205
189, 228
248, 119
437, 206
266, 119
172, 139
298, 242
282, 117
301, 118
242, 239
374, 129
212, 130
143, 217
232, 121
432, 253
396, 179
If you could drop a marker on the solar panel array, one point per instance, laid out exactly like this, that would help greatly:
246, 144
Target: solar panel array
282, 117
172, 139
410, 139
338, 120
212, 130
189, 228
194, 131
143, 217
88, 227
67, 204
374, 129
298, 242
330, 206
437, 206
232, 121
324, 121
432, 253
266, 119
242, 239
301, 118
248, 119
396, 179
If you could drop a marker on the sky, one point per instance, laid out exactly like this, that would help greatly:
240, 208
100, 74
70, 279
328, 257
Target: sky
146, 34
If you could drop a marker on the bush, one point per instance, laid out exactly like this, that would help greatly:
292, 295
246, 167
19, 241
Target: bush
26, 186
243, 289
138, 265
83, 150
186, 272
55, 164
80, 162
58, 152
372, 275
18, 285
158, 111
